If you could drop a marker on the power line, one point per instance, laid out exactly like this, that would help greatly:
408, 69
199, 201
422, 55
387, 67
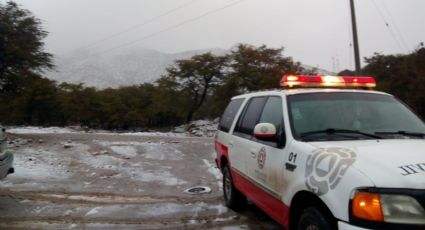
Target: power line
395, 26
173, 26
388, 26
137, 25
161, 31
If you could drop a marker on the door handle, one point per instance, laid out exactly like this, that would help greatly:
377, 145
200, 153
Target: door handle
253, 153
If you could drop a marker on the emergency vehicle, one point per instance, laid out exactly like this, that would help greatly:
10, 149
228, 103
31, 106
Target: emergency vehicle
326, 152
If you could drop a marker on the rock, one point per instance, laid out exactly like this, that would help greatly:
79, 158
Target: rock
100, 153
180, 129
210, 133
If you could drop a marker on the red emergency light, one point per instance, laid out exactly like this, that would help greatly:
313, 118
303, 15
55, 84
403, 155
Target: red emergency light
291, 81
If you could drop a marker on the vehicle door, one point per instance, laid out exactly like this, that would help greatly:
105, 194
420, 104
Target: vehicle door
243, 146
266, 164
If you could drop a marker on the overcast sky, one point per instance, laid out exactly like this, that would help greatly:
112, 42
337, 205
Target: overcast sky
314, 32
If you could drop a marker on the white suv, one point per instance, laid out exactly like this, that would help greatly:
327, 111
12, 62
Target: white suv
325, 157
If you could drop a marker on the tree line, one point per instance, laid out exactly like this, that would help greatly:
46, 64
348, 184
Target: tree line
193, 88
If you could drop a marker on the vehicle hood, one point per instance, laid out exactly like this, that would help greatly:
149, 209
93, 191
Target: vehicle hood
388, 163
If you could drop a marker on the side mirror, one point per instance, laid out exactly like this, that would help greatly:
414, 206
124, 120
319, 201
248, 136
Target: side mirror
265, 131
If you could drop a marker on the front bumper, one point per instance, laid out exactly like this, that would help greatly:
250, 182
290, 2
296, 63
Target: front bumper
6, 164
346, 226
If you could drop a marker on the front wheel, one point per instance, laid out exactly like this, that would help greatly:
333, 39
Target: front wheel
233, 198
313, 219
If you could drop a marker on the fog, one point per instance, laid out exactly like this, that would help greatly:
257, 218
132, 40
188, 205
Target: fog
314, 32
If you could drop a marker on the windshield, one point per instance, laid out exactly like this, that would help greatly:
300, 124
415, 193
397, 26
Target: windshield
320, 116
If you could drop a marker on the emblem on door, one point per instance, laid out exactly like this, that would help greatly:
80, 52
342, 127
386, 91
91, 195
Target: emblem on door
261, 158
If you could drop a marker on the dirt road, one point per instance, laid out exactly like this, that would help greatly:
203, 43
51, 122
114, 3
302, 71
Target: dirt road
112, 181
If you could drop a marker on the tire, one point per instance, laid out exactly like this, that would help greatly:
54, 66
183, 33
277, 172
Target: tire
233, 198
313, 219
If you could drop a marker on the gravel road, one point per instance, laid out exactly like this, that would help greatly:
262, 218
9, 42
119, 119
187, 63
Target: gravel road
113, 181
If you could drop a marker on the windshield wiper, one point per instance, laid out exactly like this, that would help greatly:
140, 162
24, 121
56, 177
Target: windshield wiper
332, 131
404, 133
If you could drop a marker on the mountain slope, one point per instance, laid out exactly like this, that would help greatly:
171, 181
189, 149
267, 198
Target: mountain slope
123, 68
128, 67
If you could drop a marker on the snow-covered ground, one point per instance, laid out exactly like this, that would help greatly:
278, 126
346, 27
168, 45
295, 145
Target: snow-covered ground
40, 130
67, 179
200, 128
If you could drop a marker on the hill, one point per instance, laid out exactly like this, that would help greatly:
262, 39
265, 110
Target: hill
123, 68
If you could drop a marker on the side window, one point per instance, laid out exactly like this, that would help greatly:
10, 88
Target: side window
229, 115
273, 113
250, 117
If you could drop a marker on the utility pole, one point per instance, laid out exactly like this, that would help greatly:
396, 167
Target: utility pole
355, 39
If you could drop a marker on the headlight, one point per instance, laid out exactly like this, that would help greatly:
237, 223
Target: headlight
391, 208
402, 209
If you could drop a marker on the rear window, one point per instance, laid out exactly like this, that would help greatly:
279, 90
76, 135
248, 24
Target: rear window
251, 116
229, 114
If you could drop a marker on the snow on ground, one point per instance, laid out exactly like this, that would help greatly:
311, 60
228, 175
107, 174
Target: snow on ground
39, 130
104, 162
149, 150
164, 176
155, 134
138, 170
64, 130
101, 199
113, 183
158, 151
36, 164
128, 151
93, 211
212, 169
143, 211
200, 128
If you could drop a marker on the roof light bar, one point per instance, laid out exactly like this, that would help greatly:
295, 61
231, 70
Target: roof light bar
291, 81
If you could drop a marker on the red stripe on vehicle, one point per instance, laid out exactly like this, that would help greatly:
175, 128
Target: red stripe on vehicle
274, 207
221, 150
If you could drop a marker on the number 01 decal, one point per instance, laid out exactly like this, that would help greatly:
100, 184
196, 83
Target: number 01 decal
290, 165
292, 157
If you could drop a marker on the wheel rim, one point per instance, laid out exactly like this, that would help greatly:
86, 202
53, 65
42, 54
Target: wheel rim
227, 186
312, 227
